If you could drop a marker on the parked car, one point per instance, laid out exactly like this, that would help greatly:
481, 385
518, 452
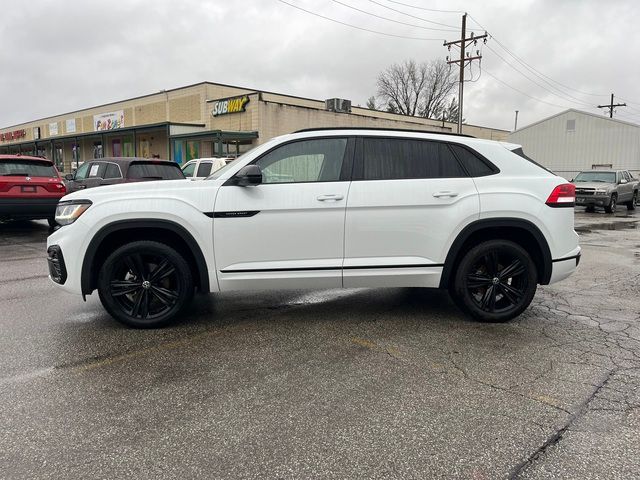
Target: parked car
325, 209
607, 189
112, 171
201, 168
30, 188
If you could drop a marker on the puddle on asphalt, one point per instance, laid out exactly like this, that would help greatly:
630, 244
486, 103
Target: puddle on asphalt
588, 228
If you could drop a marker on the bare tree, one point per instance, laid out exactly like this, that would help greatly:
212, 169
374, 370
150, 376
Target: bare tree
372, 104
414, 89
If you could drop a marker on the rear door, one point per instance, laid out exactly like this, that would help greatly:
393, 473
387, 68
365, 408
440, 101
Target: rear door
407, 198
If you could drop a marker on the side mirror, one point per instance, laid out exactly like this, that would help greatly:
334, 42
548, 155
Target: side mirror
249, 175
571, 180
623, 181
69, 177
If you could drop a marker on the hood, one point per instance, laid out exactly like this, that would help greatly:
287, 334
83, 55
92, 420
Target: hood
601, 185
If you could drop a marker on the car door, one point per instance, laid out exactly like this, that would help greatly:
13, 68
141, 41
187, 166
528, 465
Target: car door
287, 232
627, 187
79, 177
407, 198
95, 176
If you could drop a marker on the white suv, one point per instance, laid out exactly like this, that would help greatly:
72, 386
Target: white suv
323, 209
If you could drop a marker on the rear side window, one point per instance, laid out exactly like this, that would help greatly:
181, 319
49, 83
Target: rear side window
26, 168
474, 165
112, 171
398, 158
204, 169
154, 171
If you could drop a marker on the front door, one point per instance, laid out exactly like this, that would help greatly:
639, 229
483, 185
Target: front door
289, 230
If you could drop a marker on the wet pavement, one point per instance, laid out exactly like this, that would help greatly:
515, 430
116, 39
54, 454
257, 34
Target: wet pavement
343, 383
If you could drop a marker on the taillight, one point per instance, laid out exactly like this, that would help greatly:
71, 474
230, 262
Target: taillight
563, 196
56, 188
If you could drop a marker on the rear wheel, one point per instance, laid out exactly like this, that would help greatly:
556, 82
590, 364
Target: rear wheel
495, 281
145, 284
613, 204
634, 201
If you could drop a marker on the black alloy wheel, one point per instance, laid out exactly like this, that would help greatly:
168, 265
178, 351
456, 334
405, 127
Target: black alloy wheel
634, 201
145, 284
495, 281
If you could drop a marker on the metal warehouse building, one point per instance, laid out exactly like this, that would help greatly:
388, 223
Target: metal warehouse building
200, 120
573, 141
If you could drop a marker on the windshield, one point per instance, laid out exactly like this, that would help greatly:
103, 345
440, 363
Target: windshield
604, 177
27, 168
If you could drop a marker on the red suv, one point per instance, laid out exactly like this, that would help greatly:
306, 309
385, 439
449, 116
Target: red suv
30, 188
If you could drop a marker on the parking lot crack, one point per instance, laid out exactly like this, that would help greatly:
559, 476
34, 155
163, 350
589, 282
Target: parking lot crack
557, 436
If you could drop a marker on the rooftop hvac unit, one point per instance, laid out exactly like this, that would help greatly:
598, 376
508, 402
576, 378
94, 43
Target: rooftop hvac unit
338, 105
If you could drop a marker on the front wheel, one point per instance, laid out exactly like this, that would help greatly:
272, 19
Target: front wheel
612, 204
145, 284
495, 281
634, 201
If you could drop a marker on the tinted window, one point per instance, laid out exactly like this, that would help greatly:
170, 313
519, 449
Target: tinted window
391, 158
154, 171
27, 168
306, 161
474, 165
188, 169
112, 171
626, 175
204, 169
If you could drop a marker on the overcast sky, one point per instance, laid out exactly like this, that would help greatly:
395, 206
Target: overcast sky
63, 56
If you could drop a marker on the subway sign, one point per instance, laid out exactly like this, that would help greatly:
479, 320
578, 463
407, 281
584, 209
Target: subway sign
230, 105
15, 135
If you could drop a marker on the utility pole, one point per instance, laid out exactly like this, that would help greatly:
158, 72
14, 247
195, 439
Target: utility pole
611, 106
515, 127
464, 59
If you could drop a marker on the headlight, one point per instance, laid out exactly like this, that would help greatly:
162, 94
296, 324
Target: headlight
601, 192
68, 212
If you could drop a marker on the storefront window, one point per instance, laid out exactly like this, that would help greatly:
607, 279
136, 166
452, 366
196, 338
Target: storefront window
178, 151
116, 148
75, 149
58, 157
97, 150
127, 147
193, 150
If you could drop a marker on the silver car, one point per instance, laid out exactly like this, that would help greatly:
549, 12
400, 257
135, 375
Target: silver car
606, 189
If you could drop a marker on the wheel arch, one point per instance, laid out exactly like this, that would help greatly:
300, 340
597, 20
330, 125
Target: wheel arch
116, 234
520, 231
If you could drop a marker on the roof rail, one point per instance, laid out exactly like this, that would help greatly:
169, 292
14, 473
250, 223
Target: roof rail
383, 129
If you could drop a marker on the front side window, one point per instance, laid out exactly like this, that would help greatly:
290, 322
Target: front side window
318, 160
400, 158
81, 173
188, 169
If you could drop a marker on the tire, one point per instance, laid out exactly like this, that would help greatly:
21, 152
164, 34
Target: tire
634, 201
145, 284
495, 281
590, 208
613, 204
52, 222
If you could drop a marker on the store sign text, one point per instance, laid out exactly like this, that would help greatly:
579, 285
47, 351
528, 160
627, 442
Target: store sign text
230, 105
15, 135
108, 121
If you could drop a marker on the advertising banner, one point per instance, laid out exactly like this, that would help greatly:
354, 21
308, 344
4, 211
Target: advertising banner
108, 121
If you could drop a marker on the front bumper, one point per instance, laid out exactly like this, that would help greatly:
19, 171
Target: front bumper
592, 200
28, 208
57, 267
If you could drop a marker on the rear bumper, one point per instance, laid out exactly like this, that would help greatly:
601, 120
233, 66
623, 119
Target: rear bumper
28, 208
565, 266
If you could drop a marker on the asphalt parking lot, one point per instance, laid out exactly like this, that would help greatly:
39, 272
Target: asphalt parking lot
330, 384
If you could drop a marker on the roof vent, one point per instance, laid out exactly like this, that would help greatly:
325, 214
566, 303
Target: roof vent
338, 105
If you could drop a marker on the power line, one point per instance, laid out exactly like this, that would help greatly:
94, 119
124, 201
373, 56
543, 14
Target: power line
521, 92
390, 19
359, 28
414, 16
424, 8
563, 96
534, 70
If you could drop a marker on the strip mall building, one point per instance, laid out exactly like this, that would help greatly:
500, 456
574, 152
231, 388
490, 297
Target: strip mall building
201, 120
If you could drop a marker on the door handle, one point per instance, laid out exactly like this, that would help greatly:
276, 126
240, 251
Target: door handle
445, 194
330, 198
82, 186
